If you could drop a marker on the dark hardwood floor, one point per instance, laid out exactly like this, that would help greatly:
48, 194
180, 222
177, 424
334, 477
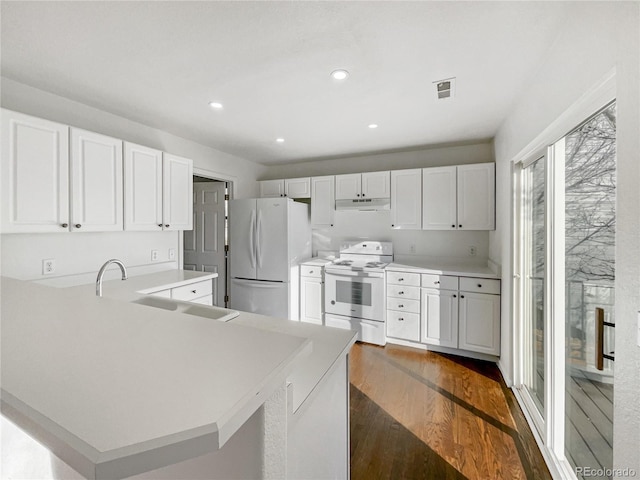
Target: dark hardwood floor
423, 415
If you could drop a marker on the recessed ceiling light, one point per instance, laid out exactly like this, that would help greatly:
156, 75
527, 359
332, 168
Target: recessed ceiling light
339, 74
373, 125
279, 140
216, 105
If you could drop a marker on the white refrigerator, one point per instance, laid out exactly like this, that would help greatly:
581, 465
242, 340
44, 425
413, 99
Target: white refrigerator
268, 238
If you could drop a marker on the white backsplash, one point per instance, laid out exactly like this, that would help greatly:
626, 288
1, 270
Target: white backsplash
350, 225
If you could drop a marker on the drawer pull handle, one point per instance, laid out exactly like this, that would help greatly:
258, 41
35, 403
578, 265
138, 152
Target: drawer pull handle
78, 225
401, 319
64, 225
454, 296
479, 285
453, 226
461, 296
400, 293
400, 306
401, 279
160, 225
310, 271
166, 225
436, 282
193, 291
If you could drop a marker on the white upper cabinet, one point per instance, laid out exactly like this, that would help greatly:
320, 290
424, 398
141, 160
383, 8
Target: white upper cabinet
297, 187
363, 185
459, 198
476, 196
96, 182
35, 175
142, 188
406, 199
323, 201
290, 187
271, 188
177, 211
348, 186
439, 208
376, 185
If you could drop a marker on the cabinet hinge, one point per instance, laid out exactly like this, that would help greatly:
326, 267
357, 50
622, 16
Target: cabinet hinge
226, 298
226, 248
226, 196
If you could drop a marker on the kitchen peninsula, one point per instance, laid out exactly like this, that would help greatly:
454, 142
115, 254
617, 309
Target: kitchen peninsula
118, 389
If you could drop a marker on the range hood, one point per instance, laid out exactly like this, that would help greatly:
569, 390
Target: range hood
364, 204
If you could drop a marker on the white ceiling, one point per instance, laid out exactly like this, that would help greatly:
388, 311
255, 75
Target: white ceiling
160, 63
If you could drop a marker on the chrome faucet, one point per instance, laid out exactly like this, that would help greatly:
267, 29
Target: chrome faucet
102, 270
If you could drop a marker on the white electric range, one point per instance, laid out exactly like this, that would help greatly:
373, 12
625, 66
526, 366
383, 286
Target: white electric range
355, 297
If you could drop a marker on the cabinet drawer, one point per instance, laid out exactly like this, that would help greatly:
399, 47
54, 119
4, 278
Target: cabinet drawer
403, 325
403, 305
403, 291
402, 278
310, 271
480, 285
193, 290
443, 282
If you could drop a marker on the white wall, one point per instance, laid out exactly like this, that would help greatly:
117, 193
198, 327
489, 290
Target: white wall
597, 38
80, 253
349, 225
435, 156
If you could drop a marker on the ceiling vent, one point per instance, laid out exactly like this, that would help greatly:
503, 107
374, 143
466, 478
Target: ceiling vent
445, 88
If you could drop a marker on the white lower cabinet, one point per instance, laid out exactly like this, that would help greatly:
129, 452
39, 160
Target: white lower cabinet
311, 300
445, 311
312, 293
199, 292
440, 317
479, 321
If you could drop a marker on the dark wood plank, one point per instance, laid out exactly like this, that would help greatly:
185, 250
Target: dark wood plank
422, 415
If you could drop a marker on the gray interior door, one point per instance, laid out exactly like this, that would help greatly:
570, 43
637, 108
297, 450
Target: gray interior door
204, 245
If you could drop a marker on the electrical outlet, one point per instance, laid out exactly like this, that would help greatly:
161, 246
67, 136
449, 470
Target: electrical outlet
48, 266
412, 248
472, 250
154, 255
172, 253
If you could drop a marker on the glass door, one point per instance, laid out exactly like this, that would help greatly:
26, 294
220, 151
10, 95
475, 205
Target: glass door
564, 239
590, 218
534, 205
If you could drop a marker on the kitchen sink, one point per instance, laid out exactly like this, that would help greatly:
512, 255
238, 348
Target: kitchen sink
212, 312
157, 303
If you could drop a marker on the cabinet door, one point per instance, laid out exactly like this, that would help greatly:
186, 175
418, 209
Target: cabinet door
376, 185
476, 196
348, 186
297, 187
271, 188
406, 199
96, 182
323, 201
439, 198
177, 193
35, 174
480, 323
142, 188
311, 300
439, 310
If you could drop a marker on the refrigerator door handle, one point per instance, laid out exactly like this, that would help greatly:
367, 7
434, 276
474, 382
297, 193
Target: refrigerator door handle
252, 240
259, 239
257, 284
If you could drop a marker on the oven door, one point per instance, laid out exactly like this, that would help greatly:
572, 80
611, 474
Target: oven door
354, 294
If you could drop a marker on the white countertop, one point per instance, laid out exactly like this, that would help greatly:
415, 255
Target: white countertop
108, 379
316, 262
446, 267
